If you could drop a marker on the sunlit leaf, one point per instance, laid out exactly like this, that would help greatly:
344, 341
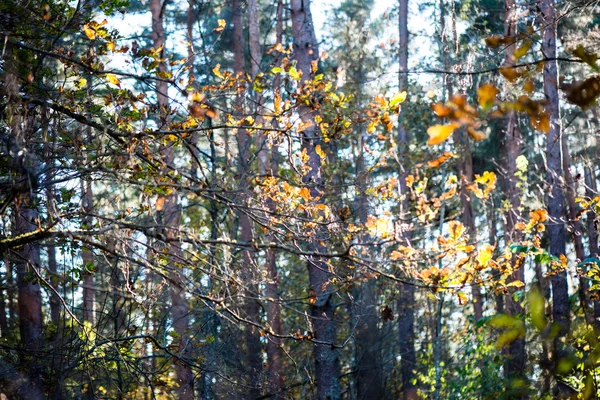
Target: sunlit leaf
305, 193
440, 160
485, 254
217, 71
522, 50
475, 134
398, 98
222, 23
442, 110
112, 78
294, 74
89, 32
439, 133
456, 230
320, 152
486, 94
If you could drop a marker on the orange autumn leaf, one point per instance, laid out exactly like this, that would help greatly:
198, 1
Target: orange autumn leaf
441, 110
305, 193
439, 133
540, 215
511, 74
475, 134
440, 160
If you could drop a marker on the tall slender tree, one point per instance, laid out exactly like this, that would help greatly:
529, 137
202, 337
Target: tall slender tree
556, 198
249, 262
511, 149
406, 300
322, 309
170, 216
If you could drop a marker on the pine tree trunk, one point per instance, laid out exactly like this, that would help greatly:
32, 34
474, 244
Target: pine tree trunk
515, 366
170, 216
322, 311
575, 228
29, 297
406, 300
249, 265
590, 193
268, 165
556, 200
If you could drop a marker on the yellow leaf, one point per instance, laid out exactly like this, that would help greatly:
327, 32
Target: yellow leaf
89, 32
111, 46
217, 71
462, 298
398, 98
528, 86
485, 254
439, 133
112, 78
516, 284
81, 83
523, 49
486, 94
222, 23
294, 74
320, 152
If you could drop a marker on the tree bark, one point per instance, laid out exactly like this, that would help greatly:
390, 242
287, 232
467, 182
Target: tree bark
575, 228
406, 300
170, 216
29, 297
516, 363
248, 267
322, 311
556, 201
465, 164
275, 355
591, 192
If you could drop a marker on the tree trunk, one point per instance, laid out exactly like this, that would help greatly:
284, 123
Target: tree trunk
322, 311
275, 355
170, 216
370, 374
29, 297
590, 193
87, 255
575, 227
556, 201
248, 267
515, 365
406, 300
465, 164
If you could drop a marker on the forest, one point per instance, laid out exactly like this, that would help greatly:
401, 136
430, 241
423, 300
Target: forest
296, 199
